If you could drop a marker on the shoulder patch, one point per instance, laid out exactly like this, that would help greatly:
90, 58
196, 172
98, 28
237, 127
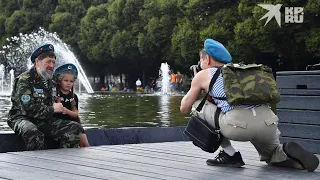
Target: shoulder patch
25, 98
37, 90
24, 76
28, 92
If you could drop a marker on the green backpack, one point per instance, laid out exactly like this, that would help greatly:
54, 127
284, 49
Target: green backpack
250, 84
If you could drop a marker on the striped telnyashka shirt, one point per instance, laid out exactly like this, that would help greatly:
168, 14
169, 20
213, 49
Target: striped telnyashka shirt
46, 84
218, 91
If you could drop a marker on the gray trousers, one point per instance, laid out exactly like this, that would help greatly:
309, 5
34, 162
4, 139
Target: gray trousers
259, 126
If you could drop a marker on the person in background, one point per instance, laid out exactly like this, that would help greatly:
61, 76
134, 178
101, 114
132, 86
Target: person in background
103, 88
138, 85
153, 85
173, 81
179, 79
66, 76
159, 83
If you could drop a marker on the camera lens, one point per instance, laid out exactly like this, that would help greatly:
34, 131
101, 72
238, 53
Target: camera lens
198, 66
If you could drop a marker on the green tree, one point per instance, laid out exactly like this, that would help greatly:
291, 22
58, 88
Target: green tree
255, 41
159, 20
2, 29
66, 20
14, 24
95, 36
184, 42
7, 7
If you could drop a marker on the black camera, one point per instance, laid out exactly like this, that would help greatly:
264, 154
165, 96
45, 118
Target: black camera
198, 67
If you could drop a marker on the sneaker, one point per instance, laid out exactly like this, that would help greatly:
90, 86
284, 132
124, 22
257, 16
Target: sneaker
297, 153
223, 159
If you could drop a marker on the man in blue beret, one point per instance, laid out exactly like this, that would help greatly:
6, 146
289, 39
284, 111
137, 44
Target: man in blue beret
31, 115
254, 123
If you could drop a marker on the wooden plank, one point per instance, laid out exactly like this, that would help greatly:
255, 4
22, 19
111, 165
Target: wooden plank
193, 151
153, 163
243, 149
289, 173
289, 73
247, 150
195, 161
299, 81
303, 92
11, 171
166, 154
171, 156
247, 159
174, 160
299, 116
71, 168
297, 73
299, 102
309, 144
300, 131
163, 172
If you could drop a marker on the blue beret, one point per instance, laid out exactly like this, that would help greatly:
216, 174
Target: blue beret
66, 67
40, 50
217, 51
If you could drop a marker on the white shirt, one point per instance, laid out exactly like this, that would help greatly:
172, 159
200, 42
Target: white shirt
138, 83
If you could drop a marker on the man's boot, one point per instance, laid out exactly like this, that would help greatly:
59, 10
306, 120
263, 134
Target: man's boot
297, 153
223, 159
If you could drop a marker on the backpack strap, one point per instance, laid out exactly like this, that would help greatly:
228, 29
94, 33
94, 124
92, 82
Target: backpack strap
213, 80
220, 98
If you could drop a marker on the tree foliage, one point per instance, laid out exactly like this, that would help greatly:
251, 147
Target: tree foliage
133, 37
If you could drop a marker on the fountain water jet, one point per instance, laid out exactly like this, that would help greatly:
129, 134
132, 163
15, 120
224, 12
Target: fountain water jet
11, 79
165, 78
5, 86
18, 50
2, 79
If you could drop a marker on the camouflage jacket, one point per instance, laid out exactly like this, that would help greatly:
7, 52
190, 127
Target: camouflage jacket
31, 98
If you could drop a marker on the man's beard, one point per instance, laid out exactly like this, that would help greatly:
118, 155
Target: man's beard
44, 73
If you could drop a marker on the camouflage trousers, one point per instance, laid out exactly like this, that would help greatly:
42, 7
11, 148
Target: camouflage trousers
33, 133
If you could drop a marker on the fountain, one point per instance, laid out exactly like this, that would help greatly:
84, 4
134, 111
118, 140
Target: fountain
11, 79
18, 50
2, 80
5, 87
165, 78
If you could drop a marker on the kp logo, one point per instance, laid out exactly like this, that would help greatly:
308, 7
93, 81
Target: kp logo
292, 14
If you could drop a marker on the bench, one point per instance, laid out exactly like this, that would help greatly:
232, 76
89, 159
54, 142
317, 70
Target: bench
299, 108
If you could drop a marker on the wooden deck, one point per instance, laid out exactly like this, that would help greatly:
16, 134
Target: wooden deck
170, 160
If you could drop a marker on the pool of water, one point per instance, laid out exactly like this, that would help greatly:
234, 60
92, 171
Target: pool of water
116, 110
